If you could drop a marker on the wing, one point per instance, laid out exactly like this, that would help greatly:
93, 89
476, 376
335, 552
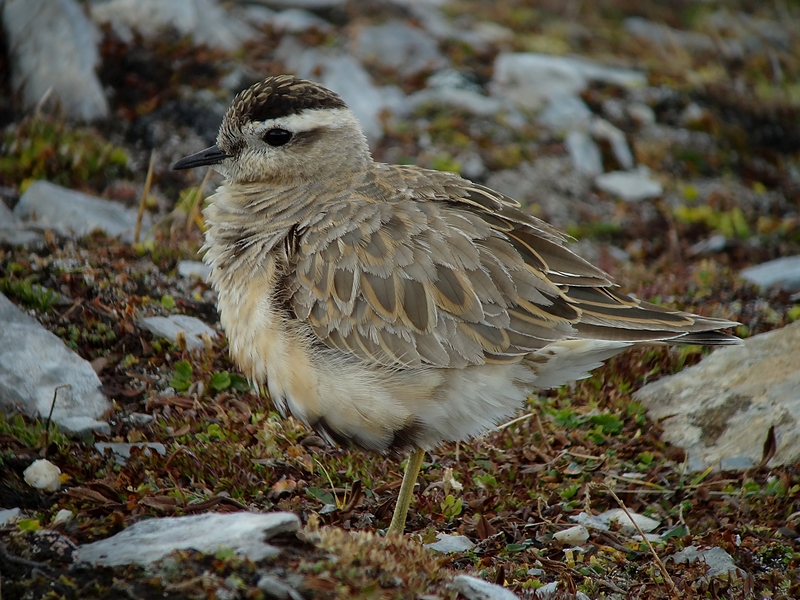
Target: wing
422, 268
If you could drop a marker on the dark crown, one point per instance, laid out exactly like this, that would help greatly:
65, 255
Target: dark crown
281, 96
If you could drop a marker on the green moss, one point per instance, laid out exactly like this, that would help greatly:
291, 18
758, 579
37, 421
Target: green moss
45, 148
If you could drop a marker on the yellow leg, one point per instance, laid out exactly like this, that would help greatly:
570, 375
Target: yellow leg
398, 524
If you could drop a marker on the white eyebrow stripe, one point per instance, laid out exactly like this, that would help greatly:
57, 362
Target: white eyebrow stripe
308, 120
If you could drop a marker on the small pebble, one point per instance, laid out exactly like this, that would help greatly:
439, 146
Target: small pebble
43, 475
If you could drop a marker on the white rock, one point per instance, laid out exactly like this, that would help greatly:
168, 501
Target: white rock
550, 592
530, 80
626, 523
585, 154
396, 45
631, 186
43, 475
591, 521
719, 562
602, 129
446, 543
295, 20
575, 536
147, 541
565, 113
473, 588
169, 328
34, 362
781, 271
716, 243
79, 427
50, 206
63, 516
724, 406
277, 589
641, 113
194, 268
205, 21
53, 50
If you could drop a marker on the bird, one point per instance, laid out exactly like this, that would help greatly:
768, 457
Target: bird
391, 307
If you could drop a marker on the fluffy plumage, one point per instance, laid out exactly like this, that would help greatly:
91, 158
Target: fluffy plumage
393, 306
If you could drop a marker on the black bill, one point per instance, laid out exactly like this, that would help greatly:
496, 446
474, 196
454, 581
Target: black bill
209, 156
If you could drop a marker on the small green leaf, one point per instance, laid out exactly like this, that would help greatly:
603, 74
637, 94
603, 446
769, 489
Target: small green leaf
240, 384
609, 423
167, 302
28, 524
678, 531
516, 547
220, 381
321, 495
215, 431
182, 377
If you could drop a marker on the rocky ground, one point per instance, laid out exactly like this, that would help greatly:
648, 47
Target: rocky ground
664, 137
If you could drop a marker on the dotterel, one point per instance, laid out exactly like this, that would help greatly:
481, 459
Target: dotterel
393, 307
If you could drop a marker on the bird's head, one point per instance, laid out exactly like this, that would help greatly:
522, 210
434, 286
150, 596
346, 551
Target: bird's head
285, 131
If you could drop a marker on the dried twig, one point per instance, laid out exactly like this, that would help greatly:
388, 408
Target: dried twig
659, 562
143, 200
194, 211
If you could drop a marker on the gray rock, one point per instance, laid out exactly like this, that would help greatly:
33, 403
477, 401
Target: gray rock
719, 562
451, 543
473, 588
12, 232
147, 541
194, 268
662, 35
395, 45
53, 53
140, 419
553, 184
467, 100
34, 362
8, 515
631, 186
565, 113
204, 20
169, 328
716, 243
122, 451
531, 80
603, 521
79, 427
7, 218
550, 592
781, 271
585, 154
724, 406
481, 36
50, 206
274, 588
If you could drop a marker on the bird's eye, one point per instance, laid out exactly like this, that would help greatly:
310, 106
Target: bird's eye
277, 137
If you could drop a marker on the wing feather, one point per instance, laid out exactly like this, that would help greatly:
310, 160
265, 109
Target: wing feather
421, 268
